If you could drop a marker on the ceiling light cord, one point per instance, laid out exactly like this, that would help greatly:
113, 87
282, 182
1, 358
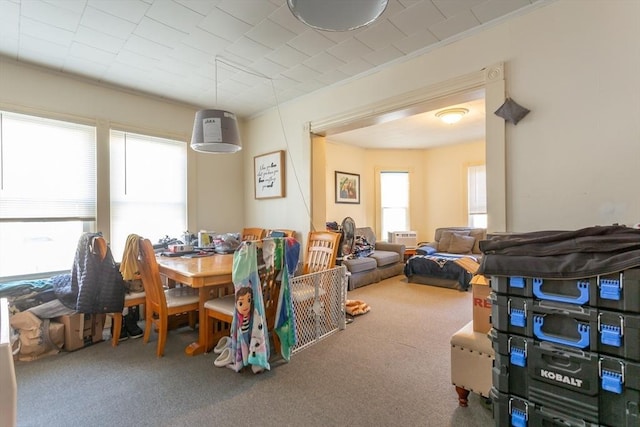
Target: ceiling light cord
293, 166
284, 133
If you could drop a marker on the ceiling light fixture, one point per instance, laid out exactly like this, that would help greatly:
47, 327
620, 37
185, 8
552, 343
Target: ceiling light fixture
337, 15
215, 131
451, 115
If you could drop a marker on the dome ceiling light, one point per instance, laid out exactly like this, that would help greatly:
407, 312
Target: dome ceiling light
337, 15
451, 115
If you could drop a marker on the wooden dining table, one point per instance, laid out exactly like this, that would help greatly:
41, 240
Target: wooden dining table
205, 274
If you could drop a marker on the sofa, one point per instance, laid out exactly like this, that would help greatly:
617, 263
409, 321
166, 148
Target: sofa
449, 259
386, 260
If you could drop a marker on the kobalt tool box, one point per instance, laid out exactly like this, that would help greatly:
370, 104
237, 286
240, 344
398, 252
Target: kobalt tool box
587, 328
618, 291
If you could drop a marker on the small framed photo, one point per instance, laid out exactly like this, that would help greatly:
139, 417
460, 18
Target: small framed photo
269, 175
347, 187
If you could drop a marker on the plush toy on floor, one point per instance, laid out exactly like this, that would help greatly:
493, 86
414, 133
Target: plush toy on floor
356, 307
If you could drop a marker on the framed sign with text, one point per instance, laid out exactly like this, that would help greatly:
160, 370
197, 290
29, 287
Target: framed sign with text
269, 175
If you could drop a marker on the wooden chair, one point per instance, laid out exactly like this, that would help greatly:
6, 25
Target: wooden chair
220, 311
287, 233
161, 303
100, 248
130, 300
321, 252
253, 233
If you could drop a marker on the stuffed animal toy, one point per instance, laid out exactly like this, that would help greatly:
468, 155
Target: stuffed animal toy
356, 307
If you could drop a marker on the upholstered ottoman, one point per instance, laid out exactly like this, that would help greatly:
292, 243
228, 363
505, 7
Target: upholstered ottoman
471, 363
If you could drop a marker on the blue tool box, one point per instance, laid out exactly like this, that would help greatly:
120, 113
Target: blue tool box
586, 385
587, 328
511, 410
618, 291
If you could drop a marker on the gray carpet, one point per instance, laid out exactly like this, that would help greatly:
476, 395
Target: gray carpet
389, 367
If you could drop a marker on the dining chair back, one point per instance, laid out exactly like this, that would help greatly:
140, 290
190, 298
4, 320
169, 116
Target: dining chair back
253, 233
281, 232
131, 299
220, 311
321, 252
99, 246
160, 303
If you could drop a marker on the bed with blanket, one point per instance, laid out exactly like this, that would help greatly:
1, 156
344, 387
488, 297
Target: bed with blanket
450, 260
441, 269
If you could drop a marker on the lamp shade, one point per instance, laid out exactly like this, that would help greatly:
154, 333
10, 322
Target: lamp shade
215, 131
337, 15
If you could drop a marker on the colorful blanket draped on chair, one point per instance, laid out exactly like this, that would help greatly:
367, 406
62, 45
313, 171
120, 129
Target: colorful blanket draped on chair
249, 339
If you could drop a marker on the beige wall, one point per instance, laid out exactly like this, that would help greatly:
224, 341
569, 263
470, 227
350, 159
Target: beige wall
571, 162
437, 184
446, 184
215, 199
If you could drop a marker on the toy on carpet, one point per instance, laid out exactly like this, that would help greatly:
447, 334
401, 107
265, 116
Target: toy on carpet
356, 307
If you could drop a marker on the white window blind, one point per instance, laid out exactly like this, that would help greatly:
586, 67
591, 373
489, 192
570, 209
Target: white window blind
477, 196
48, 169
394, 199
148, 188
47, 193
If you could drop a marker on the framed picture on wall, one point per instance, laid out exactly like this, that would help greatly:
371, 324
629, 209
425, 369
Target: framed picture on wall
269, 175
347, 187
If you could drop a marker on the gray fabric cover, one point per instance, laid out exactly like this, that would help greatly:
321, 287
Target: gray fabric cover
385, 257
357, 265
478, 233
387, 260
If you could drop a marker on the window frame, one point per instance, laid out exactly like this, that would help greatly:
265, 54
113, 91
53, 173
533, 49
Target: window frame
380, 208
20, 217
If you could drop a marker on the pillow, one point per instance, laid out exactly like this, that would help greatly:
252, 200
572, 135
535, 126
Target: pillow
445, 239
461, 244
426, 250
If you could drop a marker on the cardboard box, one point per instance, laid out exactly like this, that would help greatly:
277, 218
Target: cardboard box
81, 329
481, 304
31, 351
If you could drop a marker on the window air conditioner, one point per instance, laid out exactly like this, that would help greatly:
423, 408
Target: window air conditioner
407, 238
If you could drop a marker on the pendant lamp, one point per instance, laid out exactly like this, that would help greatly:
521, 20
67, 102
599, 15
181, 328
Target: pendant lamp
215, 131
337, 15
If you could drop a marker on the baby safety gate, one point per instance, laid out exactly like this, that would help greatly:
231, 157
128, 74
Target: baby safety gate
319, 305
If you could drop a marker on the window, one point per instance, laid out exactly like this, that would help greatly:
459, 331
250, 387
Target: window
477, 196
148, 188
394, 200
47, 193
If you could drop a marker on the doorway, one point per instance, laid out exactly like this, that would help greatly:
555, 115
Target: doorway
489, 81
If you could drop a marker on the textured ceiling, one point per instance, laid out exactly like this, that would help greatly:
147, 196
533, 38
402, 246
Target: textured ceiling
168, 48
